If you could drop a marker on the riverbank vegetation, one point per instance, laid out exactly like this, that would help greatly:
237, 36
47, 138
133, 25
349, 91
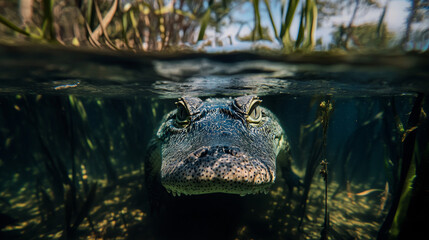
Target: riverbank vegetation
141, 25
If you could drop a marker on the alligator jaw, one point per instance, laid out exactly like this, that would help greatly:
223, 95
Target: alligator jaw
178, 193
217, 169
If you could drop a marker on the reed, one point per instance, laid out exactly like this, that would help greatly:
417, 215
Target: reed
140, 24
400, 202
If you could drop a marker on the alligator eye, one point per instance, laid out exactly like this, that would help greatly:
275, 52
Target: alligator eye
254, 115
182, 116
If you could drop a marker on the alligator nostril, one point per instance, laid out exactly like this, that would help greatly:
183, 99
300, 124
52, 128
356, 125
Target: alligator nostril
201, 153
225, 134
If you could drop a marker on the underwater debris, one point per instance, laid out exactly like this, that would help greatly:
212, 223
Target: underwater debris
384, 196
350, 194
408, 131
383, 199
367, 192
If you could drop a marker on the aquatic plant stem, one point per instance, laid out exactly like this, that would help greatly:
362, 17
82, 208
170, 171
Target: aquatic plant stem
318, 154
324, 173
407, 157
326, 111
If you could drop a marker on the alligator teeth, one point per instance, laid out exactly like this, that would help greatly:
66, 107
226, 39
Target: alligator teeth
175, 193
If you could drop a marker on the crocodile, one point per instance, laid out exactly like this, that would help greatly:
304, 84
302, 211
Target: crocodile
219, 145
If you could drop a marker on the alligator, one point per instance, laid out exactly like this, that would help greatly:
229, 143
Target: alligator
220, 145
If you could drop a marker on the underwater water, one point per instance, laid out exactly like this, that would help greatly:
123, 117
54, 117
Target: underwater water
75, 125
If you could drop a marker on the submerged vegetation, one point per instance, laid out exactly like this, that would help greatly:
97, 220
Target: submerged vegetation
83, 176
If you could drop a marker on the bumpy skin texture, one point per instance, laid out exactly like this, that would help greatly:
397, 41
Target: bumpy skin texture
217, 146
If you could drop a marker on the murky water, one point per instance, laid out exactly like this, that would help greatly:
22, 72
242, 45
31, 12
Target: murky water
74, 126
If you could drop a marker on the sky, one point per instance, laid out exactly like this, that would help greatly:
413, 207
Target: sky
395, 19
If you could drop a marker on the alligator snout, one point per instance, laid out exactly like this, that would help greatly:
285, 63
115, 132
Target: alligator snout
217, 146
212, 169
214, 153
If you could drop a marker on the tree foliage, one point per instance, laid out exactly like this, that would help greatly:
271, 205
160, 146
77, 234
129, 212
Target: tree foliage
365, 36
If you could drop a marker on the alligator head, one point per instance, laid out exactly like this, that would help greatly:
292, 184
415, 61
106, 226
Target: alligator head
219, 145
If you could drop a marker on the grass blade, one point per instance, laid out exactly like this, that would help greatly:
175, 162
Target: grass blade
257, 19
311, 22
284, 32
162, 25
407, 172
90, 12
12, 26
48, 20
267, 4
204, 22
85, 209
124, 30
105, 21
301, 28
134, 23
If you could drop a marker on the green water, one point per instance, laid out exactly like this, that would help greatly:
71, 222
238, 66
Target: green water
74, 126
